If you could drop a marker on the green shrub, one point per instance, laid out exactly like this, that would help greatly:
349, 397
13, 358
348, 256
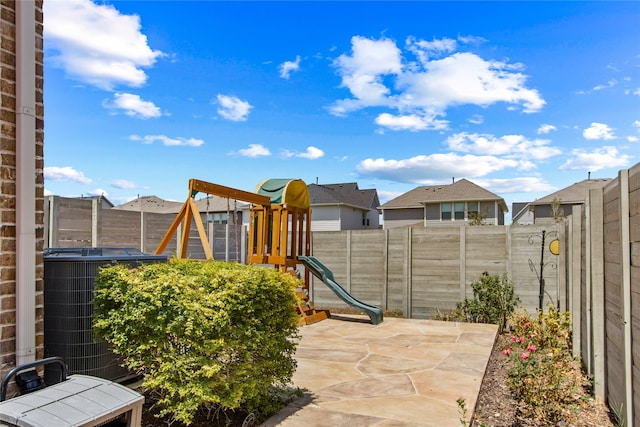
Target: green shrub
204, 334
494, 300
543, 376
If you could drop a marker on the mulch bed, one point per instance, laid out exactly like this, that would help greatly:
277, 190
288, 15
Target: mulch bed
497, 408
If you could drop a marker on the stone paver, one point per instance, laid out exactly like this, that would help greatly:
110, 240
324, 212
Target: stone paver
400, 373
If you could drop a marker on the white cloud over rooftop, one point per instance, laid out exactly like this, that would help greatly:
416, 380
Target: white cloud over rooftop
65, 173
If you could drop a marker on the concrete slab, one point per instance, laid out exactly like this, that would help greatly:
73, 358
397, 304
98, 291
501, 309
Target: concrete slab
402, 372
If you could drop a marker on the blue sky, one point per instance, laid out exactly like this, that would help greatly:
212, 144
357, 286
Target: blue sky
522, 98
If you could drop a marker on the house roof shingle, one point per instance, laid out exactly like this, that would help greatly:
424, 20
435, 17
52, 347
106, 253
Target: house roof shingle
461, 190
158, 205
576, 193
345, 193
150, 204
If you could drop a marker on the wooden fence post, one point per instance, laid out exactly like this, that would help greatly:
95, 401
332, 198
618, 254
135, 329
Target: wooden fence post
94, 222
586, 290
574, 284
385, 270
597, 319
625, 261
463, 263
408, 275
142, 242
349, 261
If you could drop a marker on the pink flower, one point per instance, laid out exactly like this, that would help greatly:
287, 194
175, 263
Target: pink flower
524, 356
526, 325
507, 351
532, 348
514, 338
521, 339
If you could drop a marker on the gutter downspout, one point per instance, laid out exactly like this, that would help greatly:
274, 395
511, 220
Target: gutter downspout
25, 181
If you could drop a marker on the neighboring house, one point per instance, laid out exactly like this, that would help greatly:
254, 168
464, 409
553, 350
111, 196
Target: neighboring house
456, 203
521, 214
336, 207
213, 208
102, 201
150, 204
576, 194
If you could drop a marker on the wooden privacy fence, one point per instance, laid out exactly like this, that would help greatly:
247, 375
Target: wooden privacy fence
412, 270
76, 222
419, 270
603, 293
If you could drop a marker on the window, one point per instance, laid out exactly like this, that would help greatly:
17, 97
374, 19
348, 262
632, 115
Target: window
217, 218
458, 211
459, 214
445, 211
472, 208
365, 219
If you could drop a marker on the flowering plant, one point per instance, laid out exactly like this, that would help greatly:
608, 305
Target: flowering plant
542, 374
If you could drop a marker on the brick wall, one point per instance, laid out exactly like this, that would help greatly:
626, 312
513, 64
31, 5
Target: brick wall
8, 184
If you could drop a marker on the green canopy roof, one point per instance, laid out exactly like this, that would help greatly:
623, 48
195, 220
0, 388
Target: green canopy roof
291, 192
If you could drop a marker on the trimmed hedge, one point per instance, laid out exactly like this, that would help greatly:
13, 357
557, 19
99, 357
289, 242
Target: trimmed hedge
203, 334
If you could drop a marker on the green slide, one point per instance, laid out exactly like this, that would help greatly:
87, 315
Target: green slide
323, 273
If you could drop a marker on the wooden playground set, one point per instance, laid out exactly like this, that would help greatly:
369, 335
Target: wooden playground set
279, 229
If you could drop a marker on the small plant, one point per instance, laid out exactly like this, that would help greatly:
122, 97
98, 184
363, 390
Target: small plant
557, 213
477, 218
494, 300
543, 376
454, 315
462, 410
617, 414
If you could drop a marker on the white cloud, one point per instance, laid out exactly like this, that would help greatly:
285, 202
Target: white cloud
167, 141
96, 44
233, 108
377, 75
524, 184
255, 150
476, 119
411, 122
465, 78
97, 192
362, 73
312, 153
546, 128
512, 146
632, 138
385, 195
598, 131
424, 49
123, 184
134, 106
424, 169
610, 83
600, 158
288, 66
65, 173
